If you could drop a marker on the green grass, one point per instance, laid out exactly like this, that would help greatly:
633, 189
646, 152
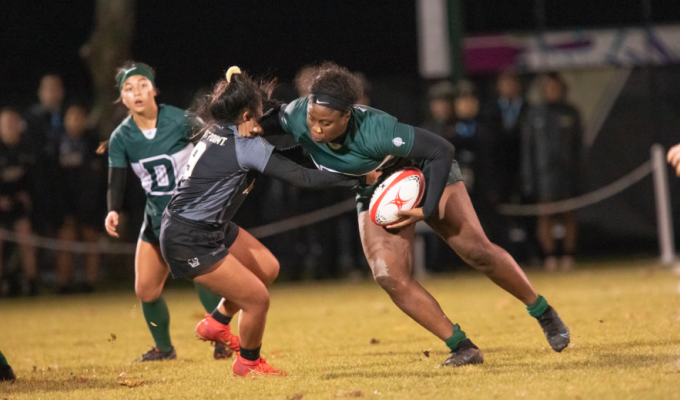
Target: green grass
625, 325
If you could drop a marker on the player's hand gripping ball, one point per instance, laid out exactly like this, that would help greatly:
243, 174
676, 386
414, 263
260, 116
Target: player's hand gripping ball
402, 190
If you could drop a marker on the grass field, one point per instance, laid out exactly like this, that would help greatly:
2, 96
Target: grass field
347, 340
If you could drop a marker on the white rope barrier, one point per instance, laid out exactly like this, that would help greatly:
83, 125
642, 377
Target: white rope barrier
585, 200
303, 220
105, 247
276, 228
102, 247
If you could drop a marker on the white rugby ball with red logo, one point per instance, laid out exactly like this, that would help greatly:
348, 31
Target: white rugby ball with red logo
400, 191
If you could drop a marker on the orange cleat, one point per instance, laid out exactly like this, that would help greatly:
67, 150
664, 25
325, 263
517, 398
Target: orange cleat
210, 330
243, 367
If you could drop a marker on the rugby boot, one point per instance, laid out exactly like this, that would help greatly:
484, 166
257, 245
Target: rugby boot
210, 330
243, 367
466, 353
554, 329
157, 355
7, 374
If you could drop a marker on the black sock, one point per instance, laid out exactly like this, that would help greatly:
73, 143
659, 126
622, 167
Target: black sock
465, 344
221, 318
251, 355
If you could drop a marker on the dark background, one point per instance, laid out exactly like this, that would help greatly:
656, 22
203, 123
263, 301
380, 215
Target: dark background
191, 43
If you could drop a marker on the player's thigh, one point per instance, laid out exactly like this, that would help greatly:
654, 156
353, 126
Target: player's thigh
233, 281
457, 223
150, 271
255, 256
388, 251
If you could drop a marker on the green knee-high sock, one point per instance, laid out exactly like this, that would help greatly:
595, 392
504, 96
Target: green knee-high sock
538, 308
3, 360
158, 320
457, 337
209, 299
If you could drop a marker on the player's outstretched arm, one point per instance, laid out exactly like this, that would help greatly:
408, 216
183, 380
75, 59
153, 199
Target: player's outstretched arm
281, 168
296, 153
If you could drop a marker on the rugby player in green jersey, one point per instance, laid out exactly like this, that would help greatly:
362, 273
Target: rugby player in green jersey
154, 140
357, 140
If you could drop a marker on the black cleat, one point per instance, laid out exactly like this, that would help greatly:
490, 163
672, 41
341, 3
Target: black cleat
466, 353
157, 355
222, 352
555, 330
7, 374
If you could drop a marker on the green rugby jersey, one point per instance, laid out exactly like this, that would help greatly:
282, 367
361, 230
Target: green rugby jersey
374, 138
159, 160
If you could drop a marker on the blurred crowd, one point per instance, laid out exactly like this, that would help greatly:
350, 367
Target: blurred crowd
510, 151
513, 151
52, 184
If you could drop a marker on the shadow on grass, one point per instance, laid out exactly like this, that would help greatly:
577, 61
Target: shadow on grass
391, 353
364, 373
595, 362
31, 385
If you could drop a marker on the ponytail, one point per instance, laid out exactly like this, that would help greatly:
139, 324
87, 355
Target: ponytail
232, 96
231, 71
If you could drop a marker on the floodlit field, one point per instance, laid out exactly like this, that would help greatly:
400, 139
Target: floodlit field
342, 340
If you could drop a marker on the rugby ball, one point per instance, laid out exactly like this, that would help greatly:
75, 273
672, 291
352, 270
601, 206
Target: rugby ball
400, 191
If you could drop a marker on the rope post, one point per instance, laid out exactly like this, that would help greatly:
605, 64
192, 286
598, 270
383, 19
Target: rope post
664, 219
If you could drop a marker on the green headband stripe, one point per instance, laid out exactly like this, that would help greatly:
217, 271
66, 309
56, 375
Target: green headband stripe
136, 69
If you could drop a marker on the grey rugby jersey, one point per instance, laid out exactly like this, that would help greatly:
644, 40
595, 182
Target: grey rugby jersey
219, 175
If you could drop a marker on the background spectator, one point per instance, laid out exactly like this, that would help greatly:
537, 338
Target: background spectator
472, 138
80, 199
550, 165
506, 111
441, 118
16, 162
45, 127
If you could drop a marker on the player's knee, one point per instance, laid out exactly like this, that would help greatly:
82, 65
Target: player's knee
147, 293
390, 279
271, 272
260, 299
393, 284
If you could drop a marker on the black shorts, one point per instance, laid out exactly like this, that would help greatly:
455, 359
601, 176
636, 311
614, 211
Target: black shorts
191, 247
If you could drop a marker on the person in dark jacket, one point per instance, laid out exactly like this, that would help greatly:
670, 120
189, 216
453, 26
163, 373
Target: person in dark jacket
45, 127
551, 147
16, 165
506, 112
78, 197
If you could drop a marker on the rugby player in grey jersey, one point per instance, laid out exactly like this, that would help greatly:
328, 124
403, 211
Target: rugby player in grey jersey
198, 239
